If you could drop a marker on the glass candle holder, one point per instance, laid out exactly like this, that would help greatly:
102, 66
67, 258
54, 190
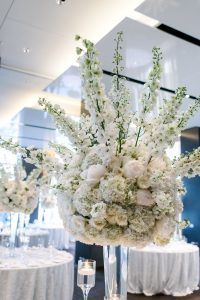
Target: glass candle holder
115, 297
86, 275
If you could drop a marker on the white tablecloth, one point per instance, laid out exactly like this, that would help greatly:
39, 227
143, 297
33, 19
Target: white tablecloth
58, 236
41, 275
171, 270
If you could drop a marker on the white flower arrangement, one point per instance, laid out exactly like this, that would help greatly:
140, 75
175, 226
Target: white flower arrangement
18, 193
115, 183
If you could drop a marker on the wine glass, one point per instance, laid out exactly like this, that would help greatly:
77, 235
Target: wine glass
51, 247
6, 244
86, 275
24, 241
40, 241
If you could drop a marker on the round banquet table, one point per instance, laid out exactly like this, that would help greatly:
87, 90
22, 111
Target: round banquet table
171, 270
58, 236
41, 274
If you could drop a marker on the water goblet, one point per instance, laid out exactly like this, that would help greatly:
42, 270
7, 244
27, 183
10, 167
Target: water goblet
86, 275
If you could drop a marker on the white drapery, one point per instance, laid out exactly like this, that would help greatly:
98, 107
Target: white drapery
171, 270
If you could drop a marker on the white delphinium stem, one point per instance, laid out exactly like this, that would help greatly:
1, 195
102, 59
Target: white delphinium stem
188, 165
62, 150
65, 124
120, 97
150, 91
98, 105
88, 132
13, 147
169, 109
151, 87
34, 175
160, 134
186, 115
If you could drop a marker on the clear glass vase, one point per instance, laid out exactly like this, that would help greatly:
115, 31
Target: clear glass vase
115, 272
13, 231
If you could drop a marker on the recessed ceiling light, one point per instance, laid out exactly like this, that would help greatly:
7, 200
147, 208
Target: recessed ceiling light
59, 2
26, 50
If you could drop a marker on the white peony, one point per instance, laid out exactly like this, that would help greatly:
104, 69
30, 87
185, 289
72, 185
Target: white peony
133, 168
144, 197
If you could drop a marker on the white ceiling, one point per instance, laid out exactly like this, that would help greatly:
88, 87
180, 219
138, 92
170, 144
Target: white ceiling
182, 15
15, 93
48, 30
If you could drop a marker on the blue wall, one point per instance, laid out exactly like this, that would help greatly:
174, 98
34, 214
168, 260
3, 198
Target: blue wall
190, 139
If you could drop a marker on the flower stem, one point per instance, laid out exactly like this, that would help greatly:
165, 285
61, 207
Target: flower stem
138, 136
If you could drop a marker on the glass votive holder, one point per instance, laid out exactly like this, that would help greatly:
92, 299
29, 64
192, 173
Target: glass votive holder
86, 275
115, 297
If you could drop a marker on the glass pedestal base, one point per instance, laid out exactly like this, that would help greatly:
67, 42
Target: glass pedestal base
115, 272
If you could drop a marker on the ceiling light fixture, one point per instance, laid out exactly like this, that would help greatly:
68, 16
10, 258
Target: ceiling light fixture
59, 2
137, 16
26, 50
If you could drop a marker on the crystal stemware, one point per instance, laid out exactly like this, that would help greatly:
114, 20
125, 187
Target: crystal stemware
86, 275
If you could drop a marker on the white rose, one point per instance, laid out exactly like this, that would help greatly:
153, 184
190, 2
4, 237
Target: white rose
133, 168
157, 164
144, 197
95, 173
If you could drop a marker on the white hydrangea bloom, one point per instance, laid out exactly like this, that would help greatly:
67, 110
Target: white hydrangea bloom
113, 189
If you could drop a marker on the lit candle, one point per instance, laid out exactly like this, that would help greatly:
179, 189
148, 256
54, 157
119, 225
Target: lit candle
115, 297
86, 269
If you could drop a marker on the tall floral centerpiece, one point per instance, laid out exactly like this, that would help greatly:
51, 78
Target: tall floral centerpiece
116, 185
18, 194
